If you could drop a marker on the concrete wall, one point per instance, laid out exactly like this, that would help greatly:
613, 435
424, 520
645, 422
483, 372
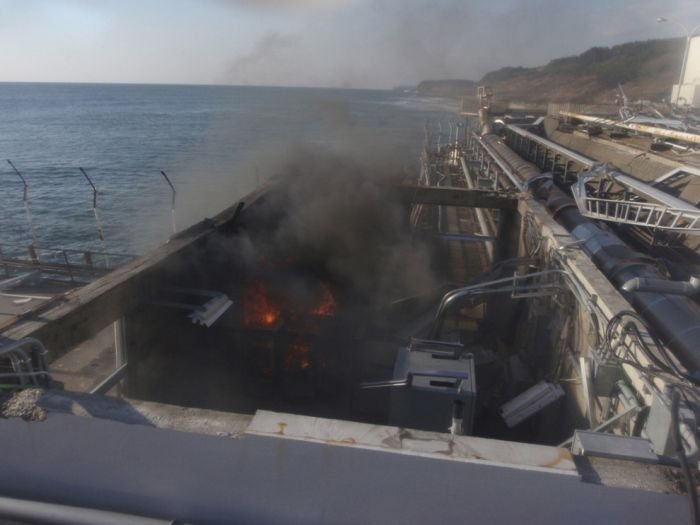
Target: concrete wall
692, 64
689, 91
689, 94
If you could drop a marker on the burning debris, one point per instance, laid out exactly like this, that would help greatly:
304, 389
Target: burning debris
259, 309
286, 313
328, 304
298, 356
266, 307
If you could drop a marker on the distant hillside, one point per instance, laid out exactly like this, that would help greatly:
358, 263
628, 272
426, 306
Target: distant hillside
446, 88
645, 69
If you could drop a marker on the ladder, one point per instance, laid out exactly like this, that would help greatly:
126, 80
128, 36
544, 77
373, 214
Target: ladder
640, 204
635, 213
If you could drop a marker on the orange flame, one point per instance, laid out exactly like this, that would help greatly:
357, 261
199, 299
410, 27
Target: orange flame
259, 310
298, 356
328, 304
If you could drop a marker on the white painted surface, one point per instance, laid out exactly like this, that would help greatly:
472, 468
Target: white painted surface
692, 65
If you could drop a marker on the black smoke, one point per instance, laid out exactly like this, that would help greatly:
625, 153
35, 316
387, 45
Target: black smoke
337, 216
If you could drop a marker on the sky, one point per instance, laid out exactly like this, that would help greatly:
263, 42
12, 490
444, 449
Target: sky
325, 43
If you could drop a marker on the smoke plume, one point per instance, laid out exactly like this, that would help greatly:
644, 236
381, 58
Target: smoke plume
286, 4
337, 216
266, 60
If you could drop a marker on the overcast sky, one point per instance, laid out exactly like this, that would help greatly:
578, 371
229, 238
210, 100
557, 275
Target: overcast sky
334, 43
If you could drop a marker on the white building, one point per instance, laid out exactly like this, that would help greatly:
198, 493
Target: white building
689, 91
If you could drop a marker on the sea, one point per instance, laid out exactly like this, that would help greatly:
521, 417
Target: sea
215, 144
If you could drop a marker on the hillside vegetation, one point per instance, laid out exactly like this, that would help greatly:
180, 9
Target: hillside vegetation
645, 69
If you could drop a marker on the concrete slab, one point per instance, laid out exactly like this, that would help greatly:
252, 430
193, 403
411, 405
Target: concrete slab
19, 300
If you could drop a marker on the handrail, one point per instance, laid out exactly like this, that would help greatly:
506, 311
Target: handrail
513, 285
70, 250
22, 366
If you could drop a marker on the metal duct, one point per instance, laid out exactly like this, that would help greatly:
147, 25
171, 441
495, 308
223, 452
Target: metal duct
687, 288
674, 318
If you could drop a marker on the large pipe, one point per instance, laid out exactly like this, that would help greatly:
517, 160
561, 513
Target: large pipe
674, 318
522, 169
484, 225
687, 288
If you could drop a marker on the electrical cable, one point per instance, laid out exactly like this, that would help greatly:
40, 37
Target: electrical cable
533, 240
665, 363
685, 465
669, 361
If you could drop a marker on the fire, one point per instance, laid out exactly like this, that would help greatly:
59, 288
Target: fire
327, 306
263, 309
298, 356
259, 310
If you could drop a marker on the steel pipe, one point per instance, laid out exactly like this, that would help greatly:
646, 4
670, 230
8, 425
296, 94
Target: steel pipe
675, 319
686, 288
520, 168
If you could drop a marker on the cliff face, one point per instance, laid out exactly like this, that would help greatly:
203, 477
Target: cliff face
646, 70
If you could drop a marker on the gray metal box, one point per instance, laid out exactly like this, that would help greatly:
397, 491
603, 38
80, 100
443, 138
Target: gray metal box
605, 375
658, 426
588, 443
437, 383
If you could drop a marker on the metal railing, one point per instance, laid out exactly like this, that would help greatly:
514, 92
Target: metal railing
66, 261
491, 166
520, 286
635, 203
638, 204
26, 359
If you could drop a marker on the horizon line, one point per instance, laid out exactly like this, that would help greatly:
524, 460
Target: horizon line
185, 84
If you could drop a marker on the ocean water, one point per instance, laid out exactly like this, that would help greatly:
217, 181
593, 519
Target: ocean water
216, 143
